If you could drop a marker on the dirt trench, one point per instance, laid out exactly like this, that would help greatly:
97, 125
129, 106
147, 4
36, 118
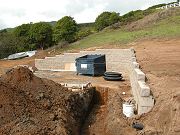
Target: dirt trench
95, 120
105, 115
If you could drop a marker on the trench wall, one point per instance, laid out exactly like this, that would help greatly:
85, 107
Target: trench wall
117, 60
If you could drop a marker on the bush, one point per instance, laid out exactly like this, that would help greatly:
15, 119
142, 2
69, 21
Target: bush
83, 33
132, 16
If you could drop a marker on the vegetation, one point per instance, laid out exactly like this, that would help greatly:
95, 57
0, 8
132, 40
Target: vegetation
83, 33
85, 30
106, 19
9, 44
157, 6
22, 30
169, 27
3, 31
40, 34
65, 30
22, 34
135, 15
43, 35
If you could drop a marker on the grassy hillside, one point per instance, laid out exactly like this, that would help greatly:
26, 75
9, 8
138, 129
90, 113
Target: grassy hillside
168, 27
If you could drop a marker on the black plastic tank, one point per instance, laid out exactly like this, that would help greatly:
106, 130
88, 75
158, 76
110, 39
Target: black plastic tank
94, 65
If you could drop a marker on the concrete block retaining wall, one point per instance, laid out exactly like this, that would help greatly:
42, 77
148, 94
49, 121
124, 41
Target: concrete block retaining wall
140, 90
118, 60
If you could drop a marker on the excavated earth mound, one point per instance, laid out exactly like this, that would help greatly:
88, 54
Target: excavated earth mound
30, 105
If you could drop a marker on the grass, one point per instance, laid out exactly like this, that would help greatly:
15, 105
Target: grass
169, 27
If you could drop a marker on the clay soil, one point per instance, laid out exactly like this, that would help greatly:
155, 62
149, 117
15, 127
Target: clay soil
30, 105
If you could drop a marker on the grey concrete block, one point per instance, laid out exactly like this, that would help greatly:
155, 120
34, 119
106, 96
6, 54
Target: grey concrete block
132, 50
50, 57
144, 89
135, 65
133, 59
146, 101
144, 109
145, 104
139, 75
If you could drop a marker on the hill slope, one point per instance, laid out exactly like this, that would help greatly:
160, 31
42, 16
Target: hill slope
165, 23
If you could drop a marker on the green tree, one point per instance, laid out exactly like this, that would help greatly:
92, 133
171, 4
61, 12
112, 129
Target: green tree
10, 44
106, 19
65, 30
22, 30
102, 21
114, 18
41, 35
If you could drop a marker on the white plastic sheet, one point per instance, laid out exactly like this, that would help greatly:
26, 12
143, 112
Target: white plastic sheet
21, 55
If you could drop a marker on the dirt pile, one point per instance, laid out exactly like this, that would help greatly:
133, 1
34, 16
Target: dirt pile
30, 105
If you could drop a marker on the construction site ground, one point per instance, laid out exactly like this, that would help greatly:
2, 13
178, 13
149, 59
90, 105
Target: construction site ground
159, 59
109, 91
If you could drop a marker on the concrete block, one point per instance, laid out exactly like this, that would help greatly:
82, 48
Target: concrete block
71, 53
135, 65
132, 50
140, 76
50, 57
59, 55
143, 89
133, 54
133, 59
144, 104
146, 101
144, 109
88, 52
